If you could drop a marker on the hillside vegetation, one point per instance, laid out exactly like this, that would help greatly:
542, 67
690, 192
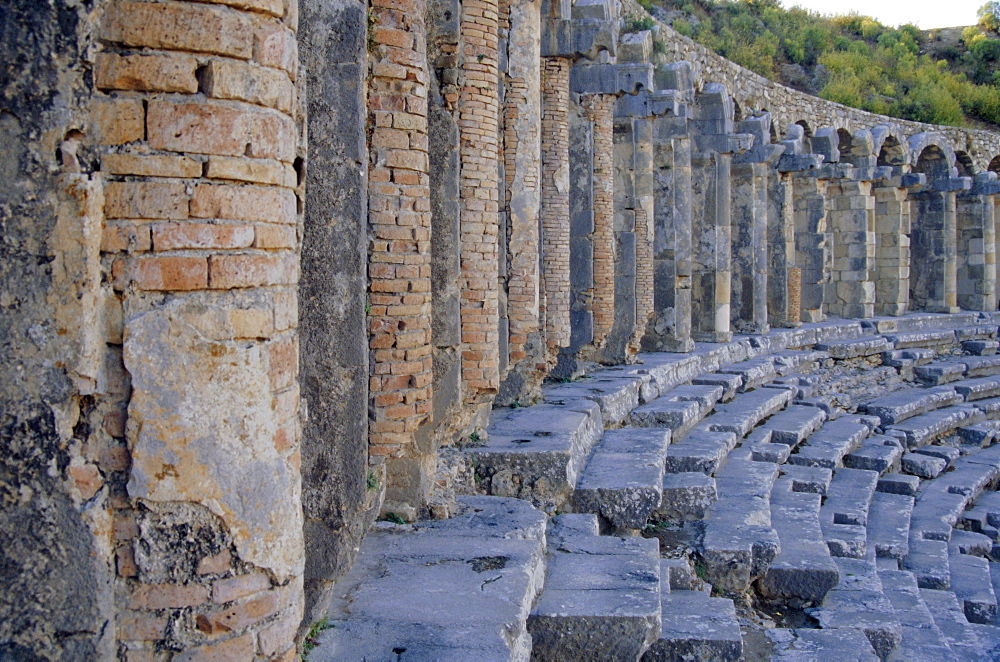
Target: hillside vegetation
854, 60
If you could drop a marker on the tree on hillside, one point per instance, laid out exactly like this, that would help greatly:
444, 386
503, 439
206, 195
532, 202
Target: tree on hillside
989, 16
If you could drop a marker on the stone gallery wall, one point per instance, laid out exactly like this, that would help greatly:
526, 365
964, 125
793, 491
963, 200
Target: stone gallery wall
265, 261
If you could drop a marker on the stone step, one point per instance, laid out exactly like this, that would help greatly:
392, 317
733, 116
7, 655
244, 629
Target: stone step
754, 372
844, 514
855, 347
972, 585
907, 358
942, 372
899, 484
980, 347
889, 524
808, 479
950, 618
976, 332
700, 450
794, 424
828, 445
601, 598
729, 383
898, 407
931, 338
936, 511
537, 453
747, 410
928, 561
921, 637
739, 543
616, 396
978, 389
695, 627
806, 645
927, 428
859, 603
877, 453
803, 568
686, 496
680, 408
790, 361
802, 387
623, 479
924, 466
469, 583
980, 366
981, 434
969, 542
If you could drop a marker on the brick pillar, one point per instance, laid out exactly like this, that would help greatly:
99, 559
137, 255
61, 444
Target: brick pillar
976, 273
812, 243
892, 250
851, 217
201, 239
400, 224
600, 110
555, 201
478, 125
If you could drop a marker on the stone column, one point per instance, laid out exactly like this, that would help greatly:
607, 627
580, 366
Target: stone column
784, 277
711, 269
602, 296
671, 325
750, 206
892, 243
522, 146
812, 243
976, 241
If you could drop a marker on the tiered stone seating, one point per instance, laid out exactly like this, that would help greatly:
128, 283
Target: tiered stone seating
851, 515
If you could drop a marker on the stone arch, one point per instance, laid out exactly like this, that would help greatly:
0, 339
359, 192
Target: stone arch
995, 164
806, 129
737, 110
931, 154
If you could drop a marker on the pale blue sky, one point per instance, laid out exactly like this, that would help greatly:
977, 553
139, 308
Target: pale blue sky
924, 14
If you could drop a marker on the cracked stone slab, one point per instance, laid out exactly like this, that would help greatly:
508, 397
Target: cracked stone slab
899, 484
729, 383
950, 618
924, 339
755, 372
981, 366
616, 396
